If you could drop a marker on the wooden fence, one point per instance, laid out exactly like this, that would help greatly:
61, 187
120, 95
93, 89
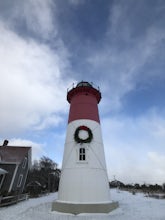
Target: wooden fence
9, 200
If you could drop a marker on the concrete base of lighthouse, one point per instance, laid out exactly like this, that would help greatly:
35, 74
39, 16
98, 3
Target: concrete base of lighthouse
77, 208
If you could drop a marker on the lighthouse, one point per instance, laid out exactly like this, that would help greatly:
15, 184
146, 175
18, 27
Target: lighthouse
84, 185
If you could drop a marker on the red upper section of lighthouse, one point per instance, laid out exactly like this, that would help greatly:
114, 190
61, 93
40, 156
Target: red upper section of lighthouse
83, 99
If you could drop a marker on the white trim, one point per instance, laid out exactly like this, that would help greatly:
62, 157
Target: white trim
20, 180
12, 181
2, 171
9, 162
2, 180
25, 177
24, 163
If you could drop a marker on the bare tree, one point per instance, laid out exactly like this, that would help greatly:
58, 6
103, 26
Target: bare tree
47, 164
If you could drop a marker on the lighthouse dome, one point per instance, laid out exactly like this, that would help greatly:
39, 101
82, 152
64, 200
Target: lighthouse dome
82, 83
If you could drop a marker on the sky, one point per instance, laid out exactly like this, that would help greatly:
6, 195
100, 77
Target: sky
46, 46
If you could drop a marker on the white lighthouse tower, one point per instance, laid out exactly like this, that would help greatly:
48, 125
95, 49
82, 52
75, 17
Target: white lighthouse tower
84, 185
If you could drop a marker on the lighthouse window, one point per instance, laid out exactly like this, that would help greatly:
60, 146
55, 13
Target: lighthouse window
82, 154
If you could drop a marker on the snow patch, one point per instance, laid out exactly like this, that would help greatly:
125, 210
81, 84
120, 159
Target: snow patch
131, 207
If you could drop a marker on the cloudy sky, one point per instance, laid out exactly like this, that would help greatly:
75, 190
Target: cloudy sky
46, 46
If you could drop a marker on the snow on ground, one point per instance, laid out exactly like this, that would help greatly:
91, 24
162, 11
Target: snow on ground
131, 207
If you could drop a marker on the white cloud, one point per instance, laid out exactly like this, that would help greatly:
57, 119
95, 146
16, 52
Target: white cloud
32, 86
122, 67
123, 55
134, 149
50, 120
76, 2
37, 17
157, 161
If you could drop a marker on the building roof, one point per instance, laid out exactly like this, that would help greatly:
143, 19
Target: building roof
13, 154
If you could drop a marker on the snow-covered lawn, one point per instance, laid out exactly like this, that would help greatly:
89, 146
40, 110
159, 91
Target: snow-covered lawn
131, 207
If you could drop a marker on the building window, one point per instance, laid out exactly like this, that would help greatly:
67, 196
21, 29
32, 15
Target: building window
82, 154
20, 180
24, 163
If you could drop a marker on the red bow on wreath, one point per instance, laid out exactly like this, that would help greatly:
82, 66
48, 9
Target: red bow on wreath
83, 127
80, 140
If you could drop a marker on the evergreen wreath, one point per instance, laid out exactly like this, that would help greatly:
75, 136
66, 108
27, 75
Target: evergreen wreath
80, 140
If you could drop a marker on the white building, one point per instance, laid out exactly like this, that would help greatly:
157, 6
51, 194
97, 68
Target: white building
84, 185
